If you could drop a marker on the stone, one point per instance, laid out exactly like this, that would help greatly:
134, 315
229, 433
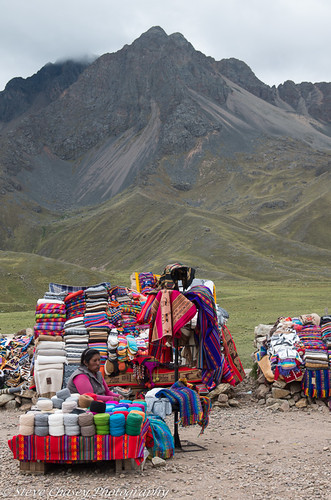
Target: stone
279, 393
285, 406
274, 407
262, 391
270, 401
28, 393
158, 462
11, 405
222, 398
296, 396
302, 403
291, 402
280, 384
26, 406
295, 387
261, 379
234, 402
220, 389
4, 398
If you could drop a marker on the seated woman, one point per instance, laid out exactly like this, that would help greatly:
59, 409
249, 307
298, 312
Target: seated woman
88, 379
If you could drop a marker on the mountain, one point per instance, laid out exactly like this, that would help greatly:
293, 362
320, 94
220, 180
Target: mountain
158, 153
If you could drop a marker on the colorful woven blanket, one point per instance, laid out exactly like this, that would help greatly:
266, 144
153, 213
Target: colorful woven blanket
210, 359
190, 407
164, 446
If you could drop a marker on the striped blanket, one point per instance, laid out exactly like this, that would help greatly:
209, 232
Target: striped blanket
210, 358
163, 446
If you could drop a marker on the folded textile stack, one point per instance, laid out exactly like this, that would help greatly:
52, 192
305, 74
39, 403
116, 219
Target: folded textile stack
50, 358
50, 317
75, 304
326, 335
310, 336
130, 310
76, 339
96, 307
316, 359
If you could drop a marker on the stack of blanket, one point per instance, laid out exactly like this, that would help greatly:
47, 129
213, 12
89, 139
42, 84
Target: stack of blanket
50, 317
75, 304
50, 358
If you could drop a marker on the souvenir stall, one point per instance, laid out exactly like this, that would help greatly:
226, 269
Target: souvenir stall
163, 345
298, 349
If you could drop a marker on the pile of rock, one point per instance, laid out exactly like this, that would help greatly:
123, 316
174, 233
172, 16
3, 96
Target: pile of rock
23, 400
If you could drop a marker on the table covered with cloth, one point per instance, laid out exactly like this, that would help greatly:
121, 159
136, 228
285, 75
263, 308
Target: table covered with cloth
79, 448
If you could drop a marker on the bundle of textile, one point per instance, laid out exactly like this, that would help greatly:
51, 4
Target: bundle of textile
76, 339
15, 361
130, 312
283, 354
158, 406
310, 336
163, 442
316, 359
210, 356
112, 343
96, 307
75, 304
50, 317
55, 295
326, 334
190, 407
122, 348
48, 371
317, 383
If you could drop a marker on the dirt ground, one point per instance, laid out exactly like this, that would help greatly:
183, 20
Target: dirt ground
251, 452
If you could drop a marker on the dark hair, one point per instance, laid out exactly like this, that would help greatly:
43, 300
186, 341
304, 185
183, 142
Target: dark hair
88, 354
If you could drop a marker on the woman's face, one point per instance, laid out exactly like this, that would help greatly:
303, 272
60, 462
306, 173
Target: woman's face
94, 364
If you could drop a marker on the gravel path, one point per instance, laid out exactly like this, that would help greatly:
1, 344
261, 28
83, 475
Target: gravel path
251, 453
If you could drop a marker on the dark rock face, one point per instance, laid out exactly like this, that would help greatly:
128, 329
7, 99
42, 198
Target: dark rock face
241, 74
312, 99
20, 94
88, 130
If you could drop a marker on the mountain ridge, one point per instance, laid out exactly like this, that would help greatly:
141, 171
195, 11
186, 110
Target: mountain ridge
191, 139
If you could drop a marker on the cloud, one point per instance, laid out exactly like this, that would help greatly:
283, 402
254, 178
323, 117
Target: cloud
278, 39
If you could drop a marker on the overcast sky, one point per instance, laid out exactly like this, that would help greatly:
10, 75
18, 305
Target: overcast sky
279, 39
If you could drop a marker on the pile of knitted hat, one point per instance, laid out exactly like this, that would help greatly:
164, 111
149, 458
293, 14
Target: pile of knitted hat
112, 346
132, 346
122, 348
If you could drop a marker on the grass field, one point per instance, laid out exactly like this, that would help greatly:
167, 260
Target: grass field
248, 304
